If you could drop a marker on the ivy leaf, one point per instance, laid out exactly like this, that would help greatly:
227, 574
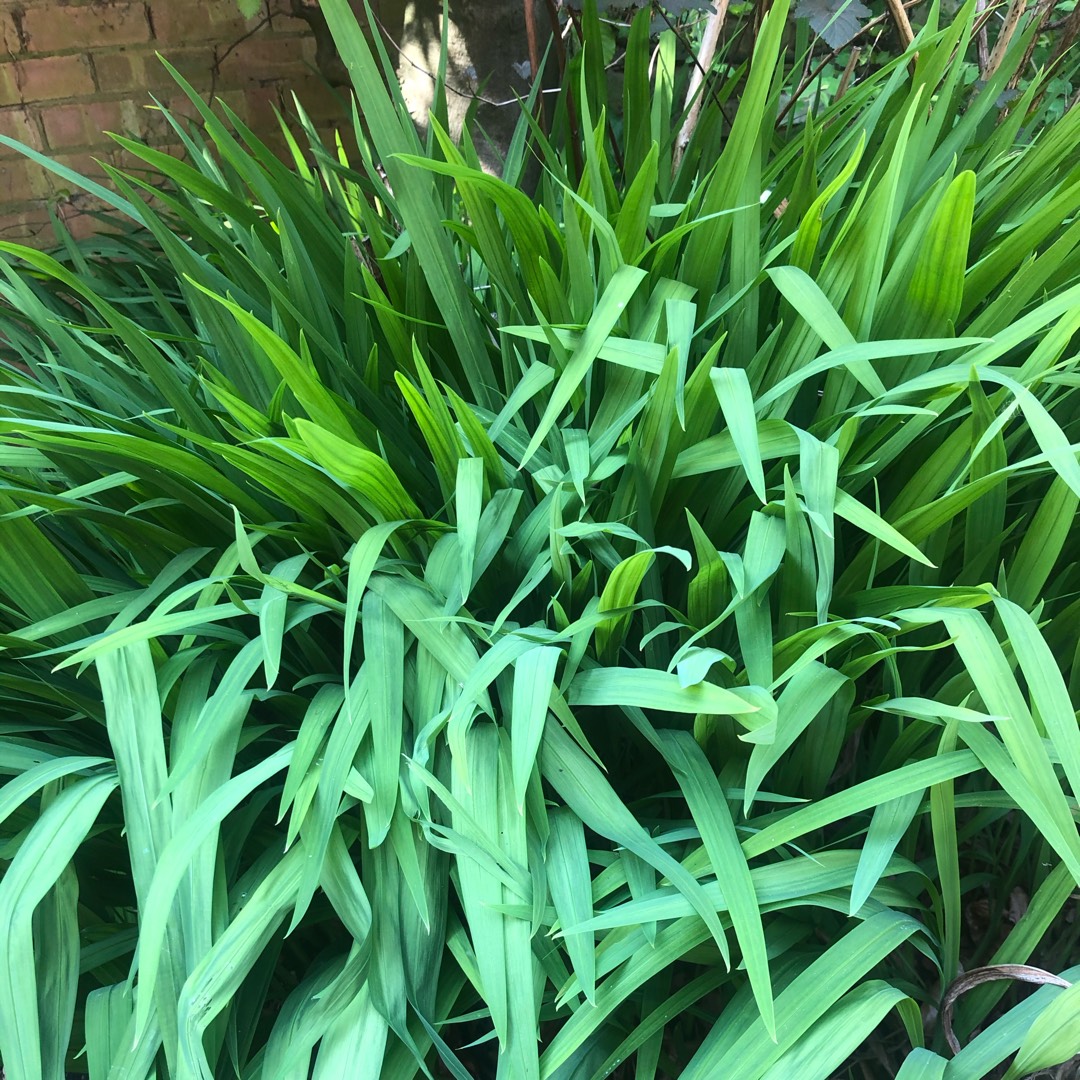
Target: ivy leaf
835, 21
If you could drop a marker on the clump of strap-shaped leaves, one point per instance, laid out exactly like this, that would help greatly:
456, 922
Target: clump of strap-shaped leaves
450, 631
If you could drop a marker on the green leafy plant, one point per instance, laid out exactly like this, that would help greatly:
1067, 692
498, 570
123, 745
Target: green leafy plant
448, 631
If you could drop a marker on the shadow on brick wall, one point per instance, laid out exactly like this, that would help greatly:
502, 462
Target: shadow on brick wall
72, 70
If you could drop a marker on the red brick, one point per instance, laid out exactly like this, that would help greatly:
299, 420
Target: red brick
281, 23
17, 123
26, 224
308, 50
318, 100
121, 70
196, 65
262, 59
261, 101
10, 41
132, 163
141, 71
85, 124
86, 164
50, 78
77, 214
127, 162
181, 108
107, 50
177, 22
237, 102
51, 27
151, 124
82, 226
20, 180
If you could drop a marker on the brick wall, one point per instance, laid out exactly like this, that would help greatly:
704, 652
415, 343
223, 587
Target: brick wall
70, 70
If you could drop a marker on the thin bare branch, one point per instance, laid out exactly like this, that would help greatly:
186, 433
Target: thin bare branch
849, 70
1005, 36
903, 24
694, 95
982, 42
829, 57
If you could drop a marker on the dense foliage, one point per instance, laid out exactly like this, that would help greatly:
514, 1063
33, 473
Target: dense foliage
629, 630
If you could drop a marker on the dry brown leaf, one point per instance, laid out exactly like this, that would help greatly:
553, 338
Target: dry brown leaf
994, 972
